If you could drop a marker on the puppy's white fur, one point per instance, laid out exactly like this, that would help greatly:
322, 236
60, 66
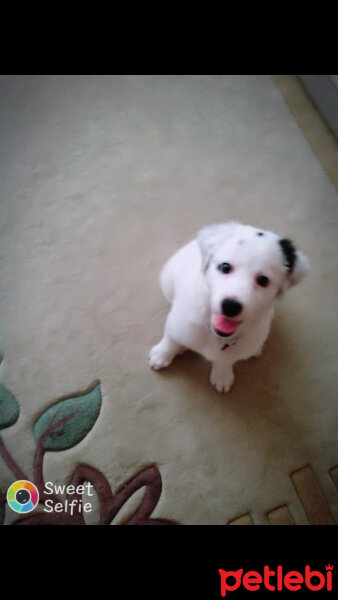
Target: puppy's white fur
192, 282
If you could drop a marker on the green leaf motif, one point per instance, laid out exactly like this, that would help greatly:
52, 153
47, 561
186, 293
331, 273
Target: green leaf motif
9, 408
67, 422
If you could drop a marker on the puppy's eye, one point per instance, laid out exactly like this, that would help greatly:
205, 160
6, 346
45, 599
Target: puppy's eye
263, 281
224, 268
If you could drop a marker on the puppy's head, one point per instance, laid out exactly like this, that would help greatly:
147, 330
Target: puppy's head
246, 269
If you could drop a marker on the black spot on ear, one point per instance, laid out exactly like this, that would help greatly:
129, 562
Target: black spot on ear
289, 252
259, 233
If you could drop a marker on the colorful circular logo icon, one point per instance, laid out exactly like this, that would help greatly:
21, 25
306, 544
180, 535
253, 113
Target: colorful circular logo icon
22, 496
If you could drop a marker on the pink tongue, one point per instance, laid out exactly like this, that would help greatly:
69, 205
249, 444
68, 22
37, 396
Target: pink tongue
224, 324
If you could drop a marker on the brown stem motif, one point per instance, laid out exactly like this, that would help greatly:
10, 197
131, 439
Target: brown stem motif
40, 453
10, 462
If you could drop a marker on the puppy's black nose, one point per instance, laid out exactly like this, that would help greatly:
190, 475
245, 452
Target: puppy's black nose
231, 308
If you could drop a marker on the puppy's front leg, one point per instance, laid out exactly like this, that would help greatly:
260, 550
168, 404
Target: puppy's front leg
164, 352
221, 376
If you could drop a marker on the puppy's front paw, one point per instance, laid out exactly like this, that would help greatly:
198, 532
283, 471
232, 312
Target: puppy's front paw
158, 359
221, 380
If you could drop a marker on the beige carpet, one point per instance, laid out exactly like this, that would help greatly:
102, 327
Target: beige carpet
102, 179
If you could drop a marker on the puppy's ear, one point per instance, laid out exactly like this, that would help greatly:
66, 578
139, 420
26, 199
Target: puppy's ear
296, 263
210, 237
301, 268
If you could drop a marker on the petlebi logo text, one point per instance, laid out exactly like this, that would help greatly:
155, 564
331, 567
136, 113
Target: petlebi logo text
276, 580
70, 505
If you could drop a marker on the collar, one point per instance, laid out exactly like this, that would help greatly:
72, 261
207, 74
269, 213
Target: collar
229, 343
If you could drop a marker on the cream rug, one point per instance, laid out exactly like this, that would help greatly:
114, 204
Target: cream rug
102, 179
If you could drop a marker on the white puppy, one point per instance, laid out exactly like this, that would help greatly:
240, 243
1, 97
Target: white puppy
222, 287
